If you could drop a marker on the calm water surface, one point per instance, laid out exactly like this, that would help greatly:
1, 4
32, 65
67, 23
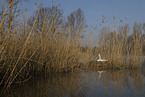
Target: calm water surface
90, 83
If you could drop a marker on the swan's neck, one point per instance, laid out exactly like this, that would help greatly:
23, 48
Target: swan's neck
99, 56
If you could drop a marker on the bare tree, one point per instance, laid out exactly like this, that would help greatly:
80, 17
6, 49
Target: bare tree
143, 27
76, 23
51, 17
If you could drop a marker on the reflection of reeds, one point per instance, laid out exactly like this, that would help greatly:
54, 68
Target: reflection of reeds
82, 84
116, 83
125, 78
60, 85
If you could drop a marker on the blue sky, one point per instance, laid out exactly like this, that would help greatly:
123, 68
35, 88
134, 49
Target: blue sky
94, 10
133, 10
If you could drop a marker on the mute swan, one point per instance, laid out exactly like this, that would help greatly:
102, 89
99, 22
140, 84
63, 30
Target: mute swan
102, 60
100, 73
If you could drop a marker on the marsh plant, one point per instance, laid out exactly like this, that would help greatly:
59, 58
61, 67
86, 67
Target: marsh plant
45, 42
41, 43
122, 49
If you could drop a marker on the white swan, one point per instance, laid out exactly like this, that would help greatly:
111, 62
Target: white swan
102, 60
100, 73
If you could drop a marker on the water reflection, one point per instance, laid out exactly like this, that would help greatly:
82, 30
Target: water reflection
119, 83
91, 83
68, 85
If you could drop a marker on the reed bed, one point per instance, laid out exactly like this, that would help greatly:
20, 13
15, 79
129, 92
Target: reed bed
44, 46
122, 49
26, 51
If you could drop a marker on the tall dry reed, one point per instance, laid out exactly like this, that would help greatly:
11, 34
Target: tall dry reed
25, 50
46, 46
122, 49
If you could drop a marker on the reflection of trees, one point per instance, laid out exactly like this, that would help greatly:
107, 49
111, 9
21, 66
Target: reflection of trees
68, 85
143, 68
123, 79
111, 82
116, 83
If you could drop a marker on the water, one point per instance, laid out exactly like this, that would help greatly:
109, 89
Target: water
85, 83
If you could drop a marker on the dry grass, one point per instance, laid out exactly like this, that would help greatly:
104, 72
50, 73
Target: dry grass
25, 51
121, 49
